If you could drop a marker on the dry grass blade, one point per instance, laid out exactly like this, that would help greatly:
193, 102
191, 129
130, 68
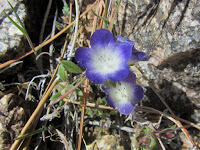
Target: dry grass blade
64, 140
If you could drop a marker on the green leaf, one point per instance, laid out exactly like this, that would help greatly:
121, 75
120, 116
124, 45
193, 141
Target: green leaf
99, 113
20, 28
104, 19
71, 67
66, 10
61, 103
62, 73
16, 15
55, 96
79, 92
89, 112
31, 133
152, 143
113, 112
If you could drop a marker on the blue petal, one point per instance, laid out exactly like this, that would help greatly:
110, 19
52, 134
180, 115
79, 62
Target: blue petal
126, 108
121, 74
120, 39
137, 56
105, 89
123, 108
110, 102
95, 77
102, 38
138, 93
82, 56
125, 50
131, 78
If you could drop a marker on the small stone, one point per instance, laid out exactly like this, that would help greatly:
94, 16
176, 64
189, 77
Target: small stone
12, 118
4, 48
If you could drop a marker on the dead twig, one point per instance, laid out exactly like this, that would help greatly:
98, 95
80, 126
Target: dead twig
85, 97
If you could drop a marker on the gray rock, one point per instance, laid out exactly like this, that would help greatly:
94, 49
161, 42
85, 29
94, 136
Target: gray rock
10, 35
169, 32
13, 118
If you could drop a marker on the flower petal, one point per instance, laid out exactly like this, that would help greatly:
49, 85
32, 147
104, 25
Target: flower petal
131, 78
82, 56
137, 56
110, 102
125, 50
126, 108
102, 38
95, 77
120, 39
120, 74
138, 93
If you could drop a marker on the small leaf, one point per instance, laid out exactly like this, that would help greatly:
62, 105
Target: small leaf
152, 143
113, 112
62, 73
104, 19
89, 112
99, 113
61, 103
71, 67
20, 28
55, 96
16, 15
31, 133
79, 92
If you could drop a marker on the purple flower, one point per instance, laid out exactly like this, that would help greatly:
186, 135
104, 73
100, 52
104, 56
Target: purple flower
105, 59
124, 94
136, 55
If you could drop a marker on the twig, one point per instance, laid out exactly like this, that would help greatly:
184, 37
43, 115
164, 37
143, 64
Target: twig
183, 129
95, 18
89, 104
76, 31
85, 97
30, 83
158, 138
70, 9
122, 128
66, 94
39, 61
51, 46
45, 21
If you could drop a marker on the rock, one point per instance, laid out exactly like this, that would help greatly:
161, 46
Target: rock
12, 119
11, 36
169, 32
106, 142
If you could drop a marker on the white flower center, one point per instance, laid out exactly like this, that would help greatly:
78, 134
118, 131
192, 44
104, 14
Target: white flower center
106, 61
122, 92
